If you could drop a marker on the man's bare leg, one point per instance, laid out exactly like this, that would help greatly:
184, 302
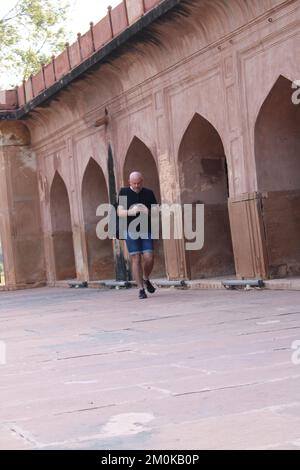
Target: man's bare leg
136, 263
148, 263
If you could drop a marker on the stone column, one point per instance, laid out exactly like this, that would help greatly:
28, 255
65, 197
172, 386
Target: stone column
21, 232
176, 266
77, 218
245, 203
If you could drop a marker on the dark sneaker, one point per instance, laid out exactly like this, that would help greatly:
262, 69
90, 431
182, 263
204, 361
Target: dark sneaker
142, 294
150, 288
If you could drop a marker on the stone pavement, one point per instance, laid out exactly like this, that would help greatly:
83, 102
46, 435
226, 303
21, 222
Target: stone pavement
89, 369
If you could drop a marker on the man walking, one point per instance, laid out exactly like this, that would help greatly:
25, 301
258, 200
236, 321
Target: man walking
135, 202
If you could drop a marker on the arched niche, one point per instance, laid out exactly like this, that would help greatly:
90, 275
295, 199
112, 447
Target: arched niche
204, 180
99, 252
62, 235
277, 154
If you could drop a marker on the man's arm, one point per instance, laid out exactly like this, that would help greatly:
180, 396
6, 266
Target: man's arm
155, 207
128, 213
154, 201
121, 210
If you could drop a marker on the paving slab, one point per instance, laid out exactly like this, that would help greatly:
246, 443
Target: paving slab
184, 369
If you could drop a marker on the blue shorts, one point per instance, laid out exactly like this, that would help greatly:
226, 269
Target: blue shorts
139, 246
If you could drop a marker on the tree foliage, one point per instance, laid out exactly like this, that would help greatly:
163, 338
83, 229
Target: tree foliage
30, 33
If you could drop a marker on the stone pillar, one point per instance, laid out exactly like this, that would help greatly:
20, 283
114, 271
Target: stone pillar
175, 259
248, 236
21, 233
78, 227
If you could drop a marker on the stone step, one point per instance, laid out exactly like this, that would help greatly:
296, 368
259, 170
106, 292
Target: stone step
197, 284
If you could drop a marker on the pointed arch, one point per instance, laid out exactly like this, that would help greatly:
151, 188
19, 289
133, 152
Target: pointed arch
99, 252
277, 144
277, 155
269, 84
93, 175
192, 121
203, 180
62, 235
201, 146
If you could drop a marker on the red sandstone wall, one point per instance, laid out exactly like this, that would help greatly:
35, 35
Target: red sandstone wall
150, 98
154, 95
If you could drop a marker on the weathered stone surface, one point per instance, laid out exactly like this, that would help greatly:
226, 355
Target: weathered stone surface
88, 369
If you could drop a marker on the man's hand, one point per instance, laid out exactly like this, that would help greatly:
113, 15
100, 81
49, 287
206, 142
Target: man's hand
133, 211
142, 208
137, 208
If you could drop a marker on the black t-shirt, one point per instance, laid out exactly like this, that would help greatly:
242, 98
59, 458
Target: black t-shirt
145, 197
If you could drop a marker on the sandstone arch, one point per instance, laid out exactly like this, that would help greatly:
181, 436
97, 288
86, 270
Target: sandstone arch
203, 180
277, 153
99, 252
62, 235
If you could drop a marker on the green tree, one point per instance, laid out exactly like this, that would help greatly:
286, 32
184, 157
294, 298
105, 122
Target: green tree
30, 33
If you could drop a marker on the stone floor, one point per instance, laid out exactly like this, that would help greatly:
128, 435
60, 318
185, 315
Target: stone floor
196, 369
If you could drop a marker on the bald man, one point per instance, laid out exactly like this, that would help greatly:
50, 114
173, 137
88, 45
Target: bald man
136, 201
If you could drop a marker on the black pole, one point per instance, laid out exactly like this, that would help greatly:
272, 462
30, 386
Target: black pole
122, 272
